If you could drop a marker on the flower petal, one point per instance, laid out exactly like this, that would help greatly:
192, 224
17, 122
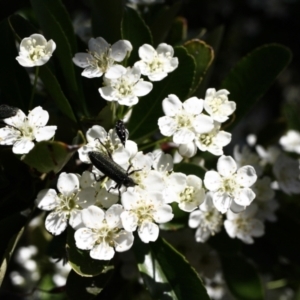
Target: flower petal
226, 166
22, 146
56, 222
171, 105
183, 136
148, 232
46, 199
45, 133
92, 216
8, 135
67, 184
120, 49
38, 117
142, 88
112, 216
85, 238
212, 180
124, 241
246, 176
102, 251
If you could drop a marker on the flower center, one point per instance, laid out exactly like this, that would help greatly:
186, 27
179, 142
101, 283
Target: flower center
105, 234
67, 204
229, 185
157, 64
26, 130
123, 87
101, 61
211, 220
184, 120
187, 195
36, 52
215, 104
144, 212
206, 139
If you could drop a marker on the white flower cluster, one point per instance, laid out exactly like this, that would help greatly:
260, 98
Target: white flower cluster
121, 84
193, 129
103, 225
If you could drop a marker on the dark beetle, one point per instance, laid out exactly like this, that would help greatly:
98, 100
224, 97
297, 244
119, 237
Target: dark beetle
121, 131
111, 169
7, 111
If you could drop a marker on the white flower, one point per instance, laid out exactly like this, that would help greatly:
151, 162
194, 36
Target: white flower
217, 105
208, 220
286, 171
102, 232
124, 85
101, 57
156, 64
213, 141
291, 141
244, 225
269, 155
183, 120
143, 210
35, 51
23, 130
230, 187
67, 205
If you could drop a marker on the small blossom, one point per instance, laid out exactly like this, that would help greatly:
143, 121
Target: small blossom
286, 171
208, 220
102, 233
213, 141
101, 56
291, 141
217, 105
244, 225
143, 210
215, 287
230, 186
22, 130
66, 206
183, 120
156, 64
124, 85
35, 51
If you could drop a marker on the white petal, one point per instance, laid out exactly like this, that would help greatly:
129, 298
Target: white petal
75, 220
166, 49
107, 93
98, 45
86, 197
258, 228
148, 232
167, 125
163, 214
46, 199
115, 71
82, 59
22, 146
194, 219
17, 120
234, 207
244, 197
56, 223
212, 180
203, 123
124, 241
67, 184
8, 135
87, 179
106, 199
226, 165
102, 251
129, 101
157, 77
92, 216
193, 105
147, 52
230, 228
246, 176
171, 105
45, 133
202, 235
129, 221
142, 88
38, 117
187, 150
183, 136
112, 216
92, 72
222, 202
119, 50
223, 138
85, 238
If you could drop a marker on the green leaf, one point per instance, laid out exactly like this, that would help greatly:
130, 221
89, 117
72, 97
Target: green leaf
14, 80
78, 287
242, 278
254, 74
54, 89
49, 156
143, 121
135, 30
11, 229
81, 261
106, 19
163, 21
166, 273
203, 55
56, 24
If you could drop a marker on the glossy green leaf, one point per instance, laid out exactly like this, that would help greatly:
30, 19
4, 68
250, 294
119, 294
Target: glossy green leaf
11, 229
80, 260
203, 55
106, 19
146, 113
167, 273
242, 278
254, 74
55, 91
135, 30
49, 156
56, 25
163, 21
78, 287
14, 80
